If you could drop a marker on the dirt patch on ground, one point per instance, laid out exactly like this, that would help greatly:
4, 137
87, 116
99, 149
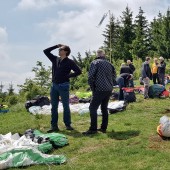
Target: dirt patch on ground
155, 138
167, 111
158, 143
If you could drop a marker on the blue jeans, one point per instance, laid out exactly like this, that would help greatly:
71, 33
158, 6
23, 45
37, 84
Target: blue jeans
61, 90
121, 83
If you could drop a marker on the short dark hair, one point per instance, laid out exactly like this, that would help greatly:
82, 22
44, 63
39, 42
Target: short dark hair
67, 49
147, 58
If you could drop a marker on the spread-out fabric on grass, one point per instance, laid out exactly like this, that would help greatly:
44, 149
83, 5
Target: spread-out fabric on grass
80, 108
16, 151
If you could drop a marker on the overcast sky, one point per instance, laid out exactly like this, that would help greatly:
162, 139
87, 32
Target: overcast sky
29, 26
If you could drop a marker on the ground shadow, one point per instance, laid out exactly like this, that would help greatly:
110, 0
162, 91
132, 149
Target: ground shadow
77, 134
74, 133
123, 135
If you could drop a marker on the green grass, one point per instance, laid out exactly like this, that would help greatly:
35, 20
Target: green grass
131, 142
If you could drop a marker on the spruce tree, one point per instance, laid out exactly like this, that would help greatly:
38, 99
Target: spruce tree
156, 27
127, 34
112, 35
11, 89
165, 31
140, 44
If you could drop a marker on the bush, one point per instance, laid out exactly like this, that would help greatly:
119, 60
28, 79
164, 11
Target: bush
12, 100
18, 107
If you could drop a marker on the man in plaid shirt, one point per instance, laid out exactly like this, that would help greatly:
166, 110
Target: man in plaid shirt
101, 78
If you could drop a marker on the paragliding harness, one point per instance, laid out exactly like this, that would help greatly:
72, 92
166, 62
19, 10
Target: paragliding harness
155, 90
37, 101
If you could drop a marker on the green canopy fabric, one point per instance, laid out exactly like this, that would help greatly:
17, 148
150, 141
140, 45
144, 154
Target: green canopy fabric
28, 156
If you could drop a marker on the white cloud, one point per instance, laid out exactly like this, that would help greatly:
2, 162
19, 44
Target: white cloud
3, 44
35, 4
9, 77
3, 36
3, 54
81, 3
75, 28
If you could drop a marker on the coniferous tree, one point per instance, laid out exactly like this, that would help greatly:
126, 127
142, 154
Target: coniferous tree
112, 34
140, 44
1, 87
156, 41
127, 34
11, 89
165, 31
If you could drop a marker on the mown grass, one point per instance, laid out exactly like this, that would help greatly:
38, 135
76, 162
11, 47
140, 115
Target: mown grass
131, 142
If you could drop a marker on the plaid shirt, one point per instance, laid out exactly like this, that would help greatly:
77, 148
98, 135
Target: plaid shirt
102, 75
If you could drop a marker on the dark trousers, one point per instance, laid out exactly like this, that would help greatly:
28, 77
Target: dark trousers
61, 90
99, 98
121, 83
161, 78
155, 78
131, 83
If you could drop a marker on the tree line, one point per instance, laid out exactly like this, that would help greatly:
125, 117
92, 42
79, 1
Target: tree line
128, 37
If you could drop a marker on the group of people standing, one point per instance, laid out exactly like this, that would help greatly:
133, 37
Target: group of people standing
156, 72
101, 79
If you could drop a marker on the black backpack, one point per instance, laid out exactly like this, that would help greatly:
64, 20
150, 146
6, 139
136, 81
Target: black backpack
37, 101
129, 95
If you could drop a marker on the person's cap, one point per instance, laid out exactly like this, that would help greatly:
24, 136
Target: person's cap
161, 58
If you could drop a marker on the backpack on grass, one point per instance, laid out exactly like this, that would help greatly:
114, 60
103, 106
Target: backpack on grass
129, 95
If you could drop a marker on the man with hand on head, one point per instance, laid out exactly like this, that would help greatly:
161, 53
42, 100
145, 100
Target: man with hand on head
61, 73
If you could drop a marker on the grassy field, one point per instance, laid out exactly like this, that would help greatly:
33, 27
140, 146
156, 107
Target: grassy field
131, 142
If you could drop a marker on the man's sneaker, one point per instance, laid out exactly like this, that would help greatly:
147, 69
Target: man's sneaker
53, 130
102, 130
90, 132
69, 128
